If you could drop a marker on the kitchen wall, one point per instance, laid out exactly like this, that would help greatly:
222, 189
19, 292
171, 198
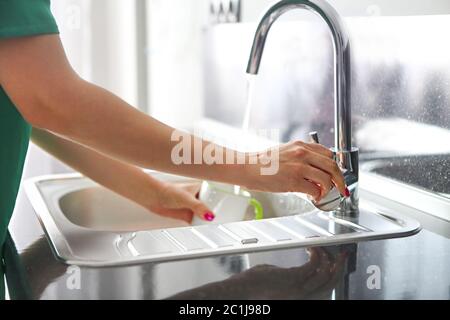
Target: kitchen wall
251, 9
175, 56
401, 74
100, 40
148, 52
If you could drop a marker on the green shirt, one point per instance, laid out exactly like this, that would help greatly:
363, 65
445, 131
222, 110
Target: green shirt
18, 18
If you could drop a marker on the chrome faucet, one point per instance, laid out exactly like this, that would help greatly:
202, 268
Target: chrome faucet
345, 154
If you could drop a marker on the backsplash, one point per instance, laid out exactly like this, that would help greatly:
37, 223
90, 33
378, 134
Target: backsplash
400, 81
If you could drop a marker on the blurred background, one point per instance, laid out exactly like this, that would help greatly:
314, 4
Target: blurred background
184, 61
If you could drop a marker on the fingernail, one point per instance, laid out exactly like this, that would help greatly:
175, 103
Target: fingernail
347, 192
209, 216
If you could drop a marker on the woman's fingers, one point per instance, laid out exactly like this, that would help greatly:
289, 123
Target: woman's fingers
308, 187
319, 157
320, 149
320, 178
191, 187
331, 168
179, 214
181, 197
200, 209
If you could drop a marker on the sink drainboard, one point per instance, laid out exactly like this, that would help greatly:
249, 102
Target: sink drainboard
308, 229
94, 246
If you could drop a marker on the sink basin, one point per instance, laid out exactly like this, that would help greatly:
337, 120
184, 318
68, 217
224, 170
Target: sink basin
89, 225
100, 209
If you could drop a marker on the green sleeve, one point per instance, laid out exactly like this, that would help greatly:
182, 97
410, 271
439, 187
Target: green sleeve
25, 18
18, 18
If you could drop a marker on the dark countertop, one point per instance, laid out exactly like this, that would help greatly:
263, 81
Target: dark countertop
416, 267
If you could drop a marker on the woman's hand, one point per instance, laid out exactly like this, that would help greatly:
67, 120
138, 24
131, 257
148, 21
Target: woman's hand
303, 167
180, 201
175, 200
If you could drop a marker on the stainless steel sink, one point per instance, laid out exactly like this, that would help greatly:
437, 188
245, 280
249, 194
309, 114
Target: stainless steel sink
430, 172
419, 181
89, 225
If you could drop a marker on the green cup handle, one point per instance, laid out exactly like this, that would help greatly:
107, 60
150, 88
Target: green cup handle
259, 211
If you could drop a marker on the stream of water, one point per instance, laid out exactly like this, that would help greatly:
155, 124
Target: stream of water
247, 112
249, 105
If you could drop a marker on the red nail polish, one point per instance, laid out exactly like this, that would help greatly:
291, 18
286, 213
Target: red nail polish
347, 192
209, 216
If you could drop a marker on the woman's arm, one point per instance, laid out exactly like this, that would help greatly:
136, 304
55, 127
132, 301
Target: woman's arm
36, 75
50, 95
127, 180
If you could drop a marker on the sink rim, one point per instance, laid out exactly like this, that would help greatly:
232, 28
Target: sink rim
429, 202
370, 166
68, 246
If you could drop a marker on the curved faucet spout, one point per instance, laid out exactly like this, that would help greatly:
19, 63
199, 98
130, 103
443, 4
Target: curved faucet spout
345, 154
342, 71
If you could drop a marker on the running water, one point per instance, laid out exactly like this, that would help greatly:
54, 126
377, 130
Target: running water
248, 107
247, 111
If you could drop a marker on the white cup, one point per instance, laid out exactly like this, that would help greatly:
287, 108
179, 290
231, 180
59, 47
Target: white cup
229, 203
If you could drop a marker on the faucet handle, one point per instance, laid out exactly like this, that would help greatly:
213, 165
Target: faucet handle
333, 199
314, 136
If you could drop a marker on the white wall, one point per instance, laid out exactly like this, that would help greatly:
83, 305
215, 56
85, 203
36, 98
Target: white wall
175, 59
251, 9
100, 40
